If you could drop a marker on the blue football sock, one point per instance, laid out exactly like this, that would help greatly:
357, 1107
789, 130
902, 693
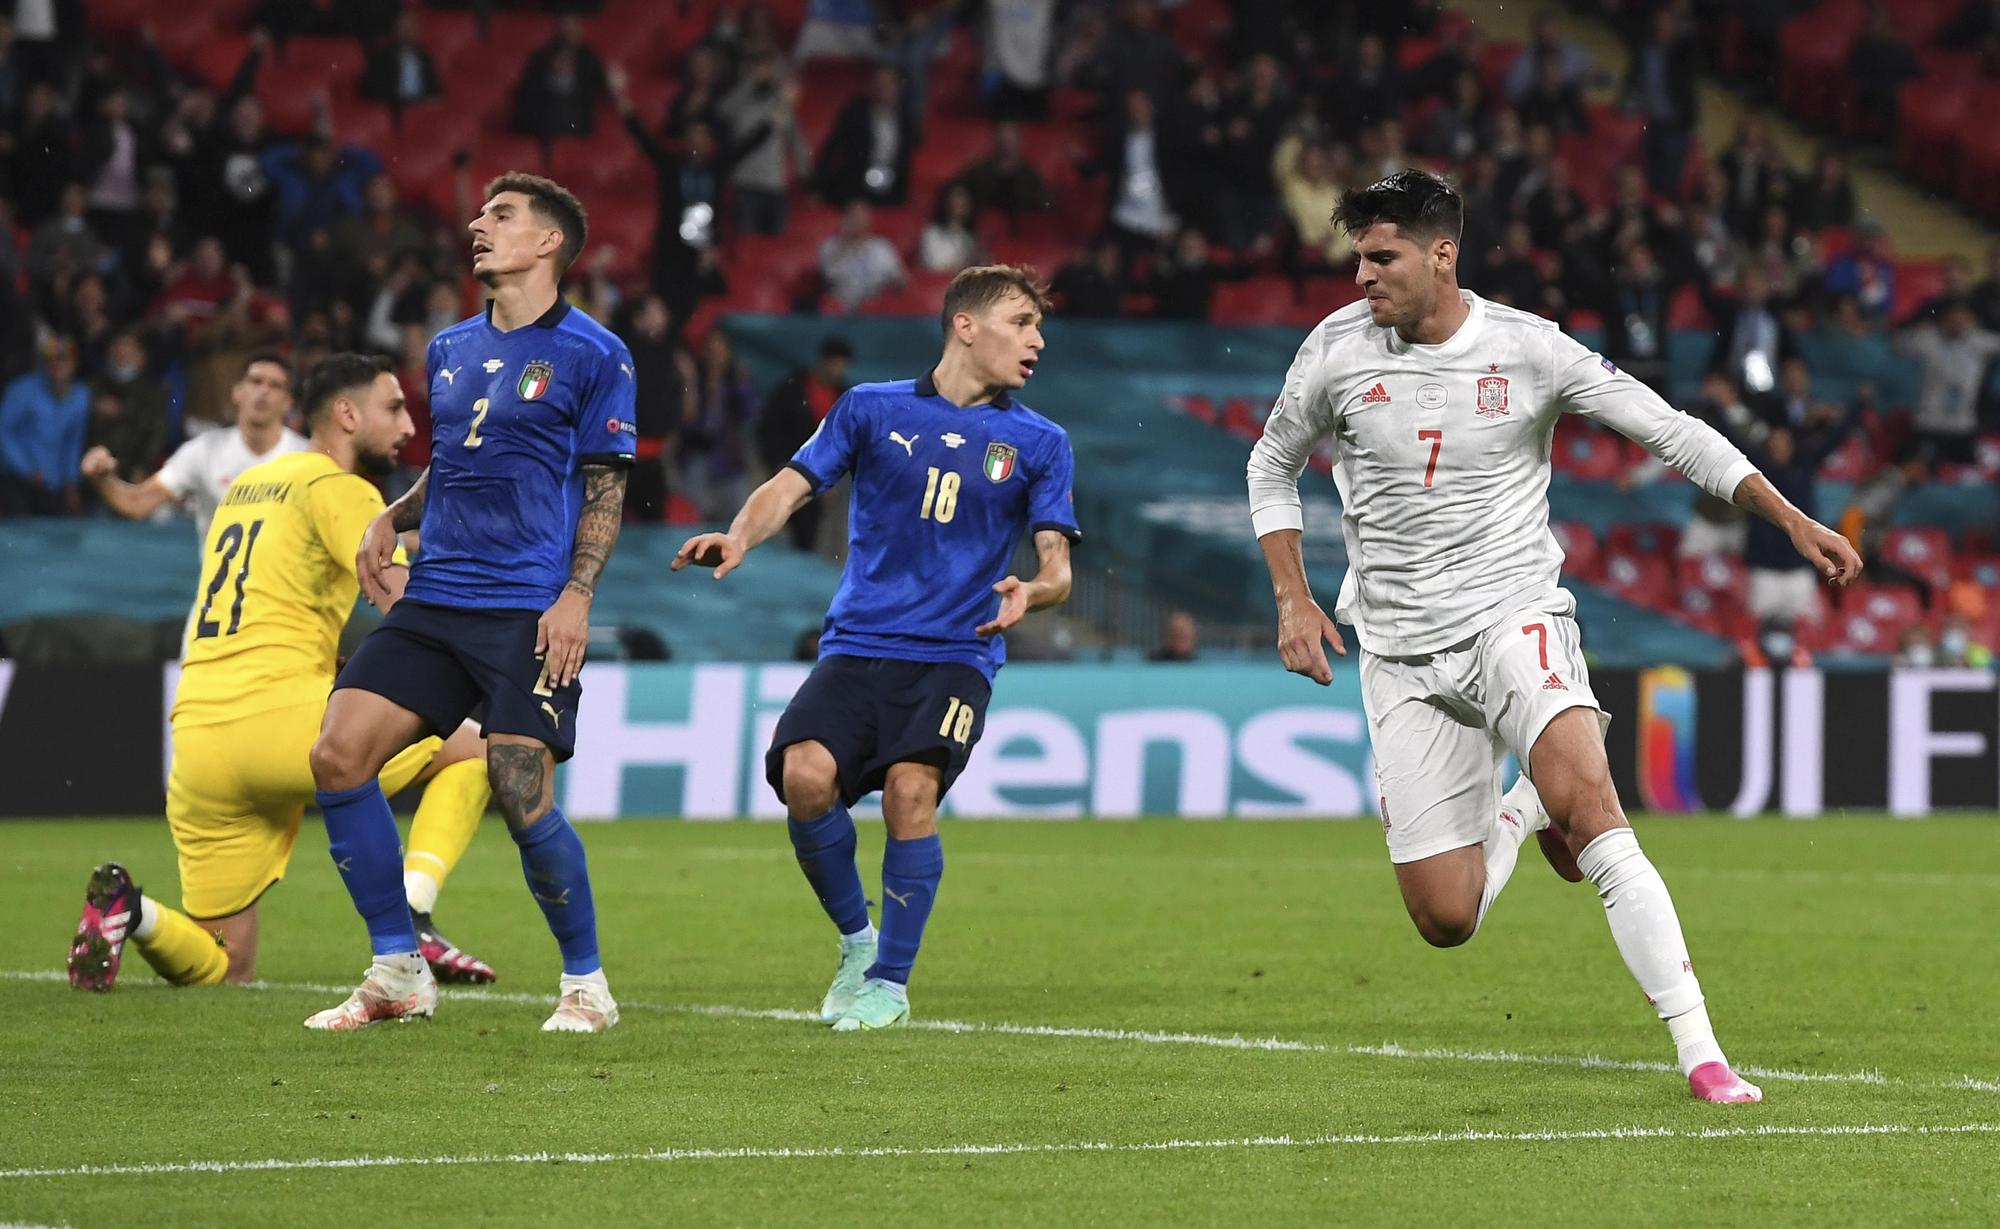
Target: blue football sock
361, 836
552, 858
910, 874
825, 847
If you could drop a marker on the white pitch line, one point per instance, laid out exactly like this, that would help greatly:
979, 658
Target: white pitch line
1705, 1134
1220, 1041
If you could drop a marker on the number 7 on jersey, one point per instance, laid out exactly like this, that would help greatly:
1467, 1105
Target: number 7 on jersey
1437, 445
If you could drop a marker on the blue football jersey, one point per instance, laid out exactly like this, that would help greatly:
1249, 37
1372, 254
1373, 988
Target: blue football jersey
515, 417
942, 495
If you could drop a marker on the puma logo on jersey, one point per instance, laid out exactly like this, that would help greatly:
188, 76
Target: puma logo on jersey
891, 894
1377, 395
627, 369
1552, 683
554, 716
909, 445
450, 374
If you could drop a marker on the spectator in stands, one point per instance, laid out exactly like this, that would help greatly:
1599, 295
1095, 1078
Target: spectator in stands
760, 116
1958, 646
378, 232
1004, 180
1827, 198
400, 72
1367, 90
688, 176
1017, 38
1985, 296
1915, 650
838, 30
1509, 274
159, 218
317, 184
1751, 340
792, 412
1180, 639
1309, 189
44, 416
716, 438
1547, 52
1556, 216
1137, 54
38, 160
867, 154
857, 263
1783, 585
1453, 131
86, 320
1755, 176
1184, 278
128, 409
1092, 287
1877, 65
65, 243
1245, 204
1635, 316
1952, 357
948, 243
1660, 86
1872, 513
700, 96
1867, 272
1854, 351
1553, 100
1955, 286
111, 157
1142, 205
665, 377
1792, 402
1717, 527
1783, 256
560, 86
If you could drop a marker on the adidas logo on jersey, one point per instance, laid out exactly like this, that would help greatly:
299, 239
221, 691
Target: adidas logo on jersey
1376, 395
1552, 683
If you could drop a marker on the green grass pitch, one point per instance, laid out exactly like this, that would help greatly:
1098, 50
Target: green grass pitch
1392, 1087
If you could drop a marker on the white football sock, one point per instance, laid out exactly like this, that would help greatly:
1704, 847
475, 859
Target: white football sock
865, 935
593, 978
1526, 802
149, 917
421, 890
1643, 922
1503, 849
896, 988
1694, 1037
403, 965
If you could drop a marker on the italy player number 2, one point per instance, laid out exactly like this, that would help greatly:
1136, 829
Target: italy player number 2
472, 437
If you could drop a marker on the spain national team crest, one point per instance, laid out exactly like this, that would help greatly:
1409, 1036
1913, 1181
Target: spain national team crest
1000, 462
1492, 402
535, 380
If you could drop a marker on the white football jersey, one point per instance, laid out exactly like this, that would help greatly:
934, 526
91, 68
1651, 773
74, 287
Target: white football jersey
200, 471
1441, 456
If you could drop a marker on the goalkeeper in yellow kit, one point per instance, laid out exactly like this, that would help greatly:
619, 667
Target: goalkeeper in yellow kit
277, 585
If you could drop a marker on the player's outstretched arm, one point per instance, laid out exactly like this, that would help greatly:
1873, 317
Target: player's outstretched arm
374, 559
1304, 630
1050, 587
134, 500
1832, 555
564, 630
762, 515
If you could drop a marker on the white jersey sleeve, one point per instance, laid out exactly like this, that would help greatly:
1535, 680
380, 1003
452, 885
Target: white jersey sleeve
183, 470
1301, 417
1590, 385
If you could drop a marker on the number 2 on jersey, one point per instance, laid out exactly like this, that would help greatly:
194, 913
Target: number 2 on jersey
231, 541
940, 496
1437, 445
472, 437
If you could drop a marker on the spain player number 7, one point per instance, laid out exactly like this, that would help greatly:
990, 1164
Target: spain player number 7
1437, 445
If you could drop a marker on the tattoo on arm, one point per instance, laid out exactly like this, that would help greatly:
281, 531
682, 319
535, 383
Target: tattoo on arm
1052, 550
519, 774
407, 513
597, 526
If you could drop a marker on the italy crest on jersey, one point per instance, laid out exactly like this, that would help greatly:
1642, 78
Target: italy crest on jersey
1000, 462
535, 380
1492, 396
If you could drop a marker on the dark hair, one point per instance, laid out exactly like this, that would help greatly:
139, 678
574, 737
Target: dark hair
836, 347
1423, 207
982, 286
336, 374
255, 357
553, 204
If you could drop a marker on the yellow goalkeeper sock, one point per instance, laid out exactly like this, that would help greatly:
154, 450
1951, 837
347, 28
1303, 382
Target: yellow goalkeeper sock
447, 816
178, 948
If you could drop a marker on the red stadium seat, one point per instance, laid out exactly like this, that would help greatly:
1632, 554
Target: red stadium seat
1894, 606
1930, 114
1853, 461
1643, 539
1922, 552
1579, 546
1263, 300
1982, 570
1858, 633
1644, 580
1723, 575
1585, 451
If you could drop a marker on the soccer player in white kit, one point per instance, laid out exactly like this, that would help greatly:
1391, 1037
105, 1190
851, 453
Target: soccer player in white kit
1441, 408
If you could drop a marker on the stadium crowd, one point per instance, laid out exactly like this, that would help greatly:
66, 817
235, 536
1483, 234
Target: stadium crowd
159, 224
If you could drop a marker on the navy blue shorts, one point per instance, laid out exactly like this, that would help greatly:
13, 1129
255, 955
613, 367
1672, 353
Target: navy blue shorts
442, 662
871, 712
